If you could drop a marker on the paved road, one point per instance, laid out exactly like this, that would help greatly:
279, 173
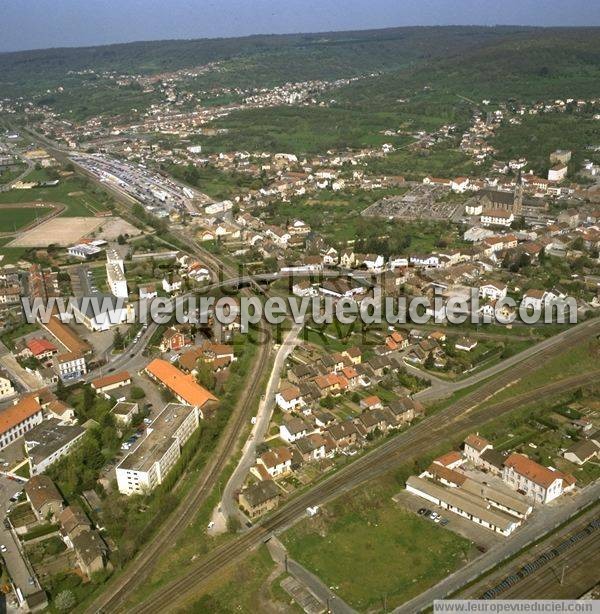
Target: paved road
460, 417
537, 526
279, 554
441, 388
228, 507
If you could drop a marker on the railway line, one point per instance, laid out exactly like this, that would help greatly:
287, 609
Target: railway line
119, 589
545, 577
459, 417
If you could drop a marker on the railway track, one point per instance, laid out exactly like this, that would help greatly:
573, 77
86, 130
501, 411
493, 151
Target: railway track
545, 583
404, 448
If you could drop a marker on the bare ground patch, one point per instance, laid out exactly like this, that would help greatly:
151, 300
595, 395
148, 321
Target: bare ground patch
58, 231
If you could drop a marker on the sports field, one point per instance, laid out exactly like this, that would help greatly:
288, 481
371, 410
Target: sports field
13, 219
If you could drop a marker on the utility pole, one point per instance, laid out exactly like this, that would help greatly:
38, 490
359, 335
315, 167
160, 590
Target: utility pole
562, 575
286, 563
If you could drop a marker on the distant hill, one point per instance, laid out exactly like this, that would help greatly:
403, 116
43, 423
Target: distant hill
433, 66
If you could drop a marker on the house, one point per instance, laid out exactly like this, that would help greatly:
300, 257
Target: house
497, 217
534, 480
102, 385
174, 339
275, 463
172, 285
70, 366
493, 291
582, 451
491, 461
450, 460
6, 388
124, 412
91, 552
148, 292
314, 447
558, 172
41, 349
371, 402
354, 354
304, 288
259, 498
474, 446
466, 344
74, 521
46, 502
294, 429
460, 185
344, 434
396, 341
289, 398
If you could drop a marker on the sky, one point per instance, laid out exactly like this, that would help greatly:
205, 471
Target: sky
39, 24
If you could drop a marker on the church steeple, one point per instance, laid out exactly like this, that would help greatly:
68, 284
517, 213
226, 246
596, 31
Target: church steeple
518, 199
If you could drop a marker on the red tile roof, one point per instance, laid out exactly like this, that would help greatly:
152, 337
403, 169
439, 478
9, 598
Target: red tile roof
184, 386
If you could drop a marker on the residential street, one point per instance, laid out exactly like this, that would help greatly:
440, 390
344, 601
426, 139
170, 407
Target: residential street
228, 507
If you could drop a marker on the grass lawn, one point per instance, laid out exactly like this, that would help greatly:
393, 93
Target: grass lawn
15, 218
578, 360
81, 198
369, 548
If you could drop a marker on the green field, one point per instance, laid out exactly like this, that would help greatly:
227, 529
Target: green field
78, 194
371, 549
14, 219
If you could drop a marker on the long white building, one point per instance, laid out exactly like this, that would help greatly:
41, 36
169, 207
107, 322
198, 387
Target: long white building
147, 465
115, 274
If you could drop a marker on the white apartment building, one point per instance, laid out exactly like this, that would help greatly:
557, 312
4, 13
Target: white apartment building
21, 417
115, 275
149, 463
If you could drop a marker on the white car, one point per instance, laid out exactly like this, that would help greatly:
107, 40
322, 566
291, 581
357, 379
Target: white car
434, 515
211, 524
3, 548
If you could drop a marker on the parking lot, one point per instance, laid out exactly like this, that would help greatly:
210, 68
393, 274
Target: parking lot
482, 538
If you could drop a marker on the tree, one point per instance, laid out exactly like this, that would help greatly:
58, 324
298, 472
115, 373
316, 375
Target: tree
429, 361
137, 393
65, 601
118, 340
89, 396
61, 390
121, 240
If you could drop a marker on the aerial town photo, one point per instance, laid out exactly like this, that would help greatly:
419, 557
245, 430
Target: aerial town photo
299, 306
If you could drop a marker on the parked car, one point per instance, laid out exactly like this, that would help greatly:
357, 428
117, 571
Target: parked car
421, 511
3, 548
